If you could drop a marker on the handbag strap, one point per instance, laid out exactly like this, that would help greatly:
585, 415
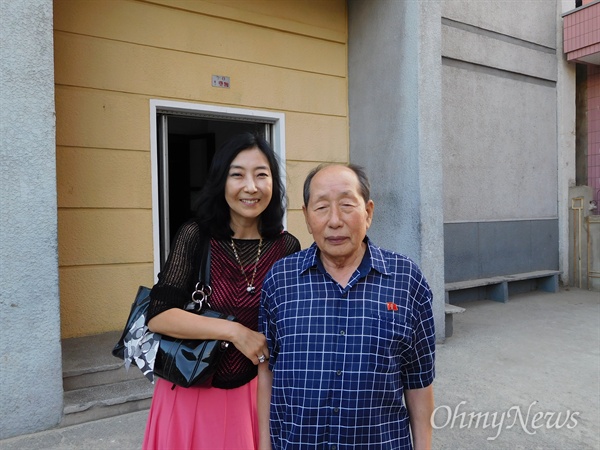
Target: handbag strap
204, 272
202, 292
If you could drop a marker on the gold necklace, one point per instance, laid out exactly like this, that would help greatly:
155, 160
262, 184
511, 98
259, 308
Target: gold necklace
250, 288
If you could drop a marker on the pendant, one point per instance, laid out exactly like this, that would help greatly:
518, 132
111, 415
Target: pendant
250, 289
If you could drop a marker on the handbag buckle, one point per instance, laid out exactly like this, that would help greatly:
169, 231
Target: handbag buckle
201, 294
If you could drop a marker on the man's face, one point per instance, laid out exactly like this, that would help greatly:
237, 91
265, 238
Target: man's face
336, 214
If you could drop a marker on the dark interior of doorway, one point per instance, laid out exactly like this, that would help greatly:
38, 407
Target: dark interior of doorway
192, 143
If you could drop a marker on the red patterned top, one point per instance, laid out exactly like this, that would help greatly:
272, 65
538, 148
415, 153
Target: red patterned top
179, 275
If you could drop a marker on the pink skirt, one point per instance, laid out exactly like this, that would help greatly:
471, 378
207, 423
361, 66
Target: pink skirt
202, 418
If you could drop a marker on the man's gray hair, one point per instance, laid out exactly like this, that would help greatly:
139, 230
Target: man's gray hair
363, 180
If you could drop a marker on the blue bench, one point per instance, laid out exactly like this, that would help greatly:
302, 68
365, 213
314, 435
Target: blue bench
497, 288
449, 311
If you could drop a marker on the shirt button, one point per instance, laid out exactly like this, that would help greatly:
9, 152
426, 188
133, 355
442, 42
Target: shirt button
339, 372
343, 332
336, 410
334, 447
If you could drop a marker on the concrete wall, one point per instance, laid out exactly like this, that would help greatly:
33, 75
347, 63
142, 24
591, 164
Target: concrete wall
30, 354
395, 128
501, 188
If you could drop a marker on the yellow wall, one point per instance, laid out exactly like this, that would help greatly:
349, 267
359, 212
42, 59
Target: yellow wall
112, 57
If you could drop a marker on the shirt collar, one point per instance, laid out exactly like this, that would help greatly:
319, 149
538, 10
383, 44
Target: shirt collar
375, 255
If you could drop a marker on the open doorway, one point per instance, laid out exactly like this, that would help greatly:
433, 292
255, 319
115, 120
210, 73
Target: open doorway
184, 144
189, 146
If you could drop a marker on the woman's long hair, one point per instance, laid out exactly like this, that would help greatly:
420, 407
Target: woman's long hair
213, 210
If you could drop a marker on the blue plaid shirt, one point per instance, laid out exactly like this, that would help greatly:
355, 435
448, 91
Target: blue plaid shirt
342, 357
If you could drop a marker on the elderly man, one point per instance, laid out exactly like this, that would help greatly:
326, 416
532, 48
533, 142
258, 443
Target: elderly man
350, 332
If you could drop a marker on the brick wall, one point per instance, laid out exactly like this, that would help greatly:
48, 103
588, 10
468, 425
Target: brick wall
593, 153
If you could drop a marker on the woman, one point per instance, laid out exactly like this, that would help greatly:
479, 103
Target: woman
241, 211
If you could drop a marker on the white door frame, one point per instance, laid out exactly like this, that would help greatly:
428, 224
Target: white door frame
157, 106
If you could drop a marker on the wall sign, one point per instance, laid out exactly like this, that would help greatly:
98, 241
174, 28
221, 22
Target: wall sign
220, 81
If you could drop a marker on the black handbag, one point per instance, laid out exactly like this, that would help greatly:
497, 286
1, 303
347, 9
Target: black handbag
183, 362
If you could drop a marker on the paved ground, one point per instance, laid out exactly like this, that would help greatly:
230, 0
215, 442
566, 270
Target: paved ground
520, 375
532, 364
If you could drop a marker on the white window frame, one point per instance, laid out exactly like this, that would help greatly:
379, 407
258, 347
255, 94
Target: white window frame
157, 106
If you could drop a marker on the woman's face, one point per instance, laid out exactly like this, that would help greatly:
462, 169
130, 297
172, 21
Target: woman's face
249, 187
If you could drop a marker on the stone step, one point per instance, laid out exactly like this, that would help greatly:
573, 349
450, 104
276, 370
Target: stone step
87, 361
96, 383
99, 402
101, 377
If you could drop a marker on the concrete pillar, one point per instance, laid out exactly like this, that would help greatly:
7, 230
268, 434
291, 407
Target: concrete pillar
30, 354
565, 108
395, 128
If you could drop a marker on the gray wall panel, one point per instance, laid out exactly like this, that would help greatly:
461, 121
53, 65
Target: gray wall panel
499, 134
472, 44
484, 249
531, 21
461, 250
544, 245
504, 247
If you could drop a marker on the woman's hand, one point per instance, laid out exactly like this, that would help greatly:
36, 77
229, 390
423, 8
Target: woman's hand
186, 325
251, 343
